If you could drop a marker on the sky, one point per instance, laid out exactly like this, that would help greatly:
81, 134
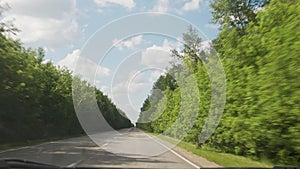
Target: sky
71, 31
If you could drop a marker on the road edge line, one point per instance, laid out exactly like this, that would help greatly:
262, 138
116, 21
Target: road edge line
174, 152
13, 149
73, 165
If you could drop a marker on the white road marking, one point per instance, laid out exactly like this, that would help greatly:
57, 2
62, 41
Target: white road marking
104, 146
32, 146
74, 164
62, 142
14, 149
178, 155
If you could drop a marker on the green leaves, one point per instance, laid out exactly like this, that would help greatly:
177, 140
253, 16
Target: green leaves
236, 13
36, 98
263, 78
260, 55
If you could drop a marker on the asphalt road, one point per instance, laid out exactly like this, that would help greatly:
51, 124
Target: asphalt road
132, 148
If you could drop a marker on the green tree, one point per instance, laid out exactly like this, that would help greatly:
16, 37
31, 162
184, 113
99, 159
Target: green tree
261, 116
36, 98
236, 13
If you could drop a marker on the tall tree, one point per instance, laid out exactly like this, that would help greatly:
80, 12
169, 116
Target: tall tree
36, 98
236, 13
261, 116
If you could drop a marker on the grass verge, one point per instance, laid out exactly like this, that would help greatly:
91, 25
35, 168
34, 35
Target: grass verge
223, 159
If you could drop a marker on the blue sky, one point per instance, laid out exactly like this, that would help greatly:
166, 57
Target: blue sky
127, 72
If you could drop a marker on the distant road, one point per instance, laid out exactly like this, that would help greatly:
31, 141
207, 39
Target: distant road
130, 149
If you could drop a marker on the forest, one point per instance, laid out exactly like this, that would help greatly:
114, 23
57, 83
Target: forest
259, 47
36, 96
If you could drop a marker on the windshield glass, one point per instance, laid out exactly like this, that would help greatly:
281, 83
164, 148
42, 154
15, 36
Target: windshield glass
158, 84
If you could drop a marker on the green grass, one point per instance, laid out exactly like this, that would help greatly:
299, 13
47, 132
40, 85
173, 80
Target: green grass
223, 159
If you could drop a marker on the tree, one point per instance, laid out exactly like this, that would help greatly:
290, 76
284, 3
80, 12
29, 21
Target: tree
261, 116
236, 13
36, 98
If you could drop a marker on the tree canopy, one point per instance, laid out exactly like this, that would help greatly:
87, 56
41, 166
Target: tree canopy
261, 119
36, 97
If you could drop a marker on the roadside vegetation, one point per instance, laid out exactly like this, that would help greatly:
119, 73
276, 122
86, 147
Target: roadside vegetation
36, 97
218, 157
258, 47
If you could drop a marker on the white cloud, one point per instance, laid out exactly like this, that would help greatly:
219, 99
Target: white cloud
138, 87
70, 60
212, 26
105, 89
129, 86
159, 56
43, 22
129, 43
178, 6
120, 88
137, 81
129, 4
154, 76
84, 66
130, 93
143, 80
156, 56
192, 5
161, 6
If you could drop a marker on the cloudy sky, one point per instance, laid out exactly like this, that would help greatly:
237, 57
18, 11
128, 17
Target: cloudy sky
127, 72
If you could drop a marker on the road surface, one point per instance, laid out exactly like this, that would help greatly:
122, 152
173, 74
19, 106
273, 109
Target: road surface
131, 149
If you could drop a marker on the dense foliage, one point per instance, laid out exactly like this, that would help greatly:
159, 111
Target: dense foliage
36, 98
262, 114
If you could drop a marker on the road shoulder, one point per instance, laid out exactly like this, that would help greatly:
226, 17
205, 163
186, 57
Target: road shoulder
199, 161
